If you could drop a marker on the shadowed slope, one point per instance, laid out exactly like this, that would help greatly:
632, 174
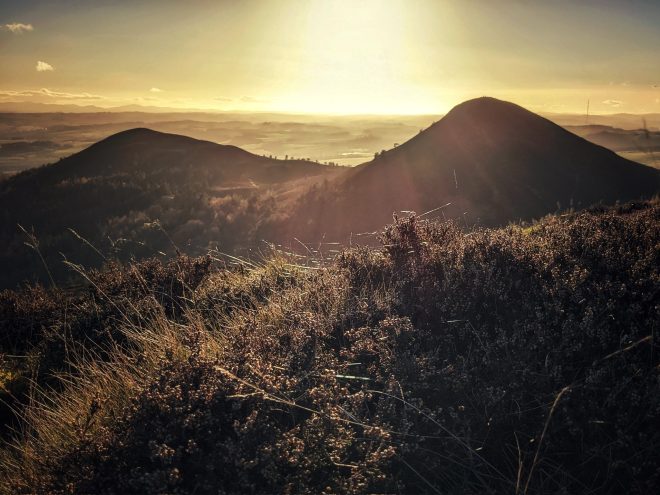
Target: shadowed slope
494, 161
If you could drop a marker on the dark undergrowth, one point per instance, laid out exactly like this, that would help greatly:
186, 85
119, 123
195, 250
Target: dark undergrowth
519, 360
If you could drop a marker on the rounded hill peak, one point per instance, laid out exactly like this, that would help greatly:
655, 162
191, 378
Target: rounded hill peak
488, 107
493, 119
484, 101
136, 132
150, 140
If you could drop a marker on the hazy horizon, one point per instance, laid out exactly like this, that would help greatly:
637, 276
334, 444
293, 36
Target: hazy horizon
22, 106
33, 139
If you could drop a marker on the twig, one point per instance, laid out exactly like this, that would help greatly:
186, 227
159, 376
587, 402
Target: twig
545, 429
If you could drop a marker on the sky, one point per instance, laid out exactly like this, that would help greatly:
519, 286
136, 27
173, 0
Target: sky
333, 56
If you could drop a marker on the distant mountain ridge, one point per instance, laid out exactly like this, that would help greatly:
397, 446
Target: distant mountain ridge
625, 120
39, 107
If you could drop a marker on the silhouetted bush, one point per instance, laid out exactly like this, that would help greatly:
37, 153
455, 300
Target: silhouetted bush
123, 218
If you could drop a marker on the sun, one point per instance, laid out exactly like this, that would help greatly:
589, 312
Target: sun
353, 57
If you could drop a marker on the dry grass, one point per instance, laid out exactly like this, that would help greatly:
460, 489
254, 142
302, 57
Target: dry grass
512, 360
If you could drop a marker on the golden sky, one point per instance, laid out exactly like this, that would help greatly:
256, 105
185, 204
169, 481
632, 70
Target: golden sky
333, 56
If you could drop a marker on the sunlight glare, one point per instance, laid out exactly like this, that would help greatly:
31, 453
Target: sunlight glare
354, 58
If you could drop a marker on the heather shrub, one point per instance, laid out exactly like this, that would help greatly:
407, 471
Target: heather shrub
516, 360
505, 320
42, 331
24, 316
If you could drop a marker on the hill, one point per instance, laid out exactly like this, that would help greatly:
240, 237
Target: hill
515, 360
202, 194
140, 193
148, 152
494, 161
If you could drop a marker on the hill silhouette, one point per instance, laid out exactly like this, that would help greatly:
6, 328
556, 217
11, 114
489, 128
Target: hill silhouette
494, 161
202, 194
140, 192
152, 152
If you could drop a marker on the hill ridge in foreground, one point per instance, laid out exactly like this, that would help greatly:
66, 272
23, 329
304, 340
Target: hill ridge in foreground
442, 362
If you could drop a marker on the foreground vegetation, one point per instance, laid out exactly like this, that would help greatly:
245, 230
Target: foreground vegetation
517, 360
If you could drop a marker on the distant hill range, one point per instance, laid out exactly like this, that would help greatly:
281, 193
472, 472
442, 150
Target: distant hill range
618, 139
640, 144
37, 107
487, 162
491, 162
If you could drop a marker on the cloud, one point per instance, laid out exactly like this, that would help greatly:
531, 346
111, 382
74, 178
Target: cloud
18, 27
69, 96
613, 103
156, 90
47, 93
221, 98
43, 67
250, 99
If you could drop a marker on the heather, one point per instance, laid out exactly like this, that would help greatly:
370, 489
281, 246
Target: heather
511, 360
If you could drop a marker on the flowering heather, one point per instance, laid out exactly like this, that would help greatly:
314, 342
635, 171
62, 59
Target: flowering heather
514, 360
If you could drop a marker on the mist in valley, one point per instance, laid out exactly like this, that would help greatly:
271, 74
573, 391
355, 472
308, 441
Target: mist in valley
33, 139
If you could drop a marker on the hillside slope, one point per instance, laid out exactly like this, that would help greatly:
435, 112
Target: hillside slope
148, 152
517, 360
141, 192
494, 161
202, 194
